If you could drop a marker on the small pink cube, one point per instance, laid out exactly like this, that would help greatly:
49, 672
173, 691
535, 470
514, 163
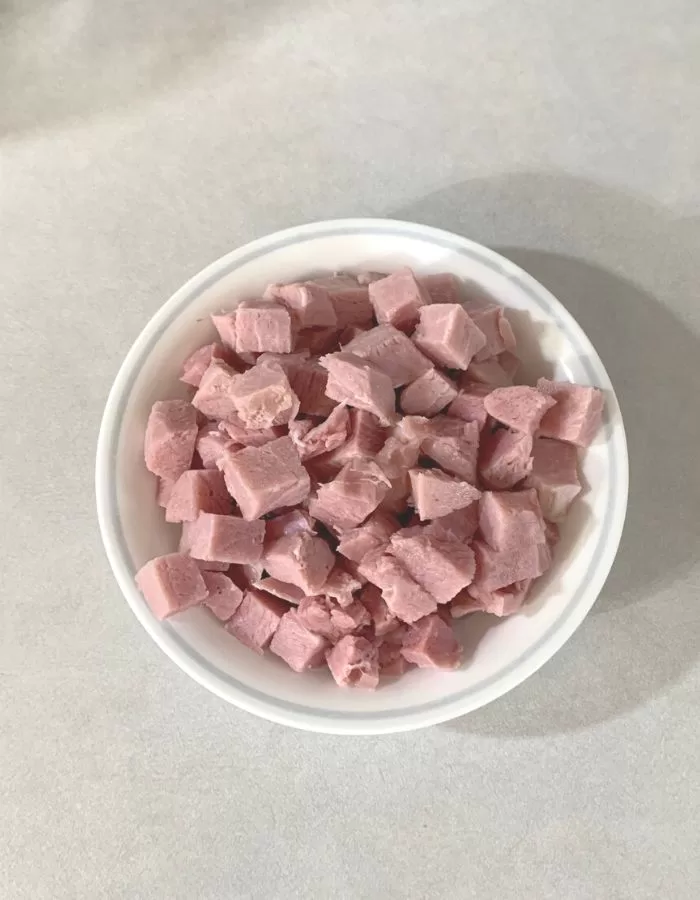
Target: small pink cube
300, 648
428, 394
197, 491
505, 458
171, 434
302, 559
431, 644
224, 538
263, 327
196, 365
256, 620
554, 476
224, 596
391, 351
520, 407
509, 519
264, 397
171, 584
436, 494
397, 298
447, 335
354, 662
361, 384
577, 415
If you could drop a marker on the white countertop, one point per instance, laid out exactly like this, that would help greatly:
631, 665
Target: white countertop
141, 140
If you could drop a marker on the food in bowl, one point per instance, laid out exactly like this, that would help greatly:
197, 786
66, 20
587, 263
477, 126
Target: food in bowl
323, 523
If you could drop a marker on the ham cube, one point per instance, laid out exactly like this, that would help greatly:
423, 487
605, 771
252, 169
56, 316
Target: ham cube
354, 662
428, 394
262, 479
494, 325
171, 433
373, 535
397, 455
309, 303
224, 538
196, 365
497, 569
468, 405
301, 559
296, 521
382, 620
324, 616
224, 596
443, 287
214, 397
397, 298
459, 525
358, 383
323, 438
392, 352
502, 602
577, 415
510, 519
520, 408
354, 493
404, 597
554, 476
490, 371
244, 436
505, 458
164, 490
447, 335
300, 648
349, 298
341, 586
436, 494
171, 584
456, 454
212, 444
432, 644
297, 431
365, 438
263, 327
225, 324
197, 491
256, 620
308, 380
263, 397
442, 568
290, 593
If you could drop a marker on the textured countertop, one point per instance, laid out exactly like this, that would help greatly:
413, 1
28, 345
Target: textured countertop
141, 140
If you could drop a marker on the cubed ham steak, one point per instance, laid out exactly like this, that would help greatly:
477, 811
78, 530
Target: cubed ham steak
391, 352
171, 584
361, 384
554, 476
398, 298
171, 435
577, 415
447, 335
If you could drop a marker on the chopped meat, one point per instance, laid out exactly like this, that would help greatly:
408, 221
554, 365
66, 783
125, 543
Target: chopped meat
493, 323
502, 602
214, 397
324, 616
436, 494
164, 490
432, 644
302, 559
397, 455
358, 383
197, 364
447, 335
428, 394
196, 491
365, 438
318, 341
382, 620
329, 435
297, 430
262, 479
171, 584
511, 519
224, 596
354, 493
397, 298
212, 444
554, 476
171, 434
224, 538
349, 298
296, 521
442, 568
459, 525
263, 327
468, 405
391, 352
405, 598
489, 371
300, 648
373, 535
520, 408
308, 380
263, 397
309, 303
504, 458
241, 434
577, 415
443, 287
256, 619
354, 662
288, 592
498, 568
340, 586
456, 454
225, 324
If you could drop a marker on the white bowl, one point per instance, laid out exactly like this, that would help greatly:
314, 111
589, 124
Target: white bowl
500, 653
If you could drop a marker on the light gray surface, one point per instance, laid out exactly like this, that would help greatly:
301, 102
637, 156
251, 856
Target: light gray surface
141, 140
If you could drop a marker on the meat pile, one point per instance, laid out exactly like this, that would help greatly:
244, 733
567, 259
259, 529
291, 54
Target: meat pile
356, 468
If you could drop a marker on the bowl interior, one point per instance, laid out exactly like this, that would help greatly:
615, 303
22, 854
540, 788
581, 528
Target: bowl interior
499, 654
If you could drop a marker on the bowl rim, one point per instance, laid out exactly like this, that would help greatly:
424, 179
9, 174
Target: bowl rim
374, 722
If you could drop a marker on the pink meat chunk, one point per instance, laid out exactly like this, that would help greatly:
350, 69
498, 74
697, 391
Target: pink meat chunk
505, 458
397, 455
296, 521
520, 408
554, 476
382, 620
164, 490
224, 596
301, 559
309, 303
459, 525
494, 325
318, 341
432, 644
287, 592
391, 352
502, 602
324, 616
397, 298
442, 568
308, 380
171, 584
262, 479
436, 494
443, 287
577, 415
447, 335
457, 455
354, 662
214, 397
398, 496
225, 324
197, 491
224, 538
497, 569
490, 371
263, 397
244, 436
468, 405
358, 383
349, 298
354, 493
256, 620
327, 436
196, 365
427, 395
263, 327
348, 334
404, 597
373, 535
510, 519
297, 431
212, 444
365, 438
341, 586
300, 648
171, 433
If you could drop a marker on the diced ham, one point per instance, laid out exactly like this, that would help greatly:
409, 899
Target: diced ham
324, 616
358, 383
504, 458
397, 298
288, 592
212, 444
196, 491
554, 476
300, 648
197, 364
297, 430
432, 644
459, 525
246, 576
489, 371
263, 397
308, 380
398, 496
171, 433
225, 324
456, 454
442, 568
329, 435
354, 493
244, 436
498, 568
511, 519
502, 602
447, 335
302, 559
263, 326
348, 334
493, 323
354, 662
224, 538
214, 397
520, 408
397, 455
171, 584
256, 620
296, 521
262, 479
365, 438
224, 596
318, 341
309, 303
404, 597
341, 586
349, 298
391, 352
443, 287
577, 415
373, 535
468, 405
382, 620
436, 494
164, 490
428, 394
